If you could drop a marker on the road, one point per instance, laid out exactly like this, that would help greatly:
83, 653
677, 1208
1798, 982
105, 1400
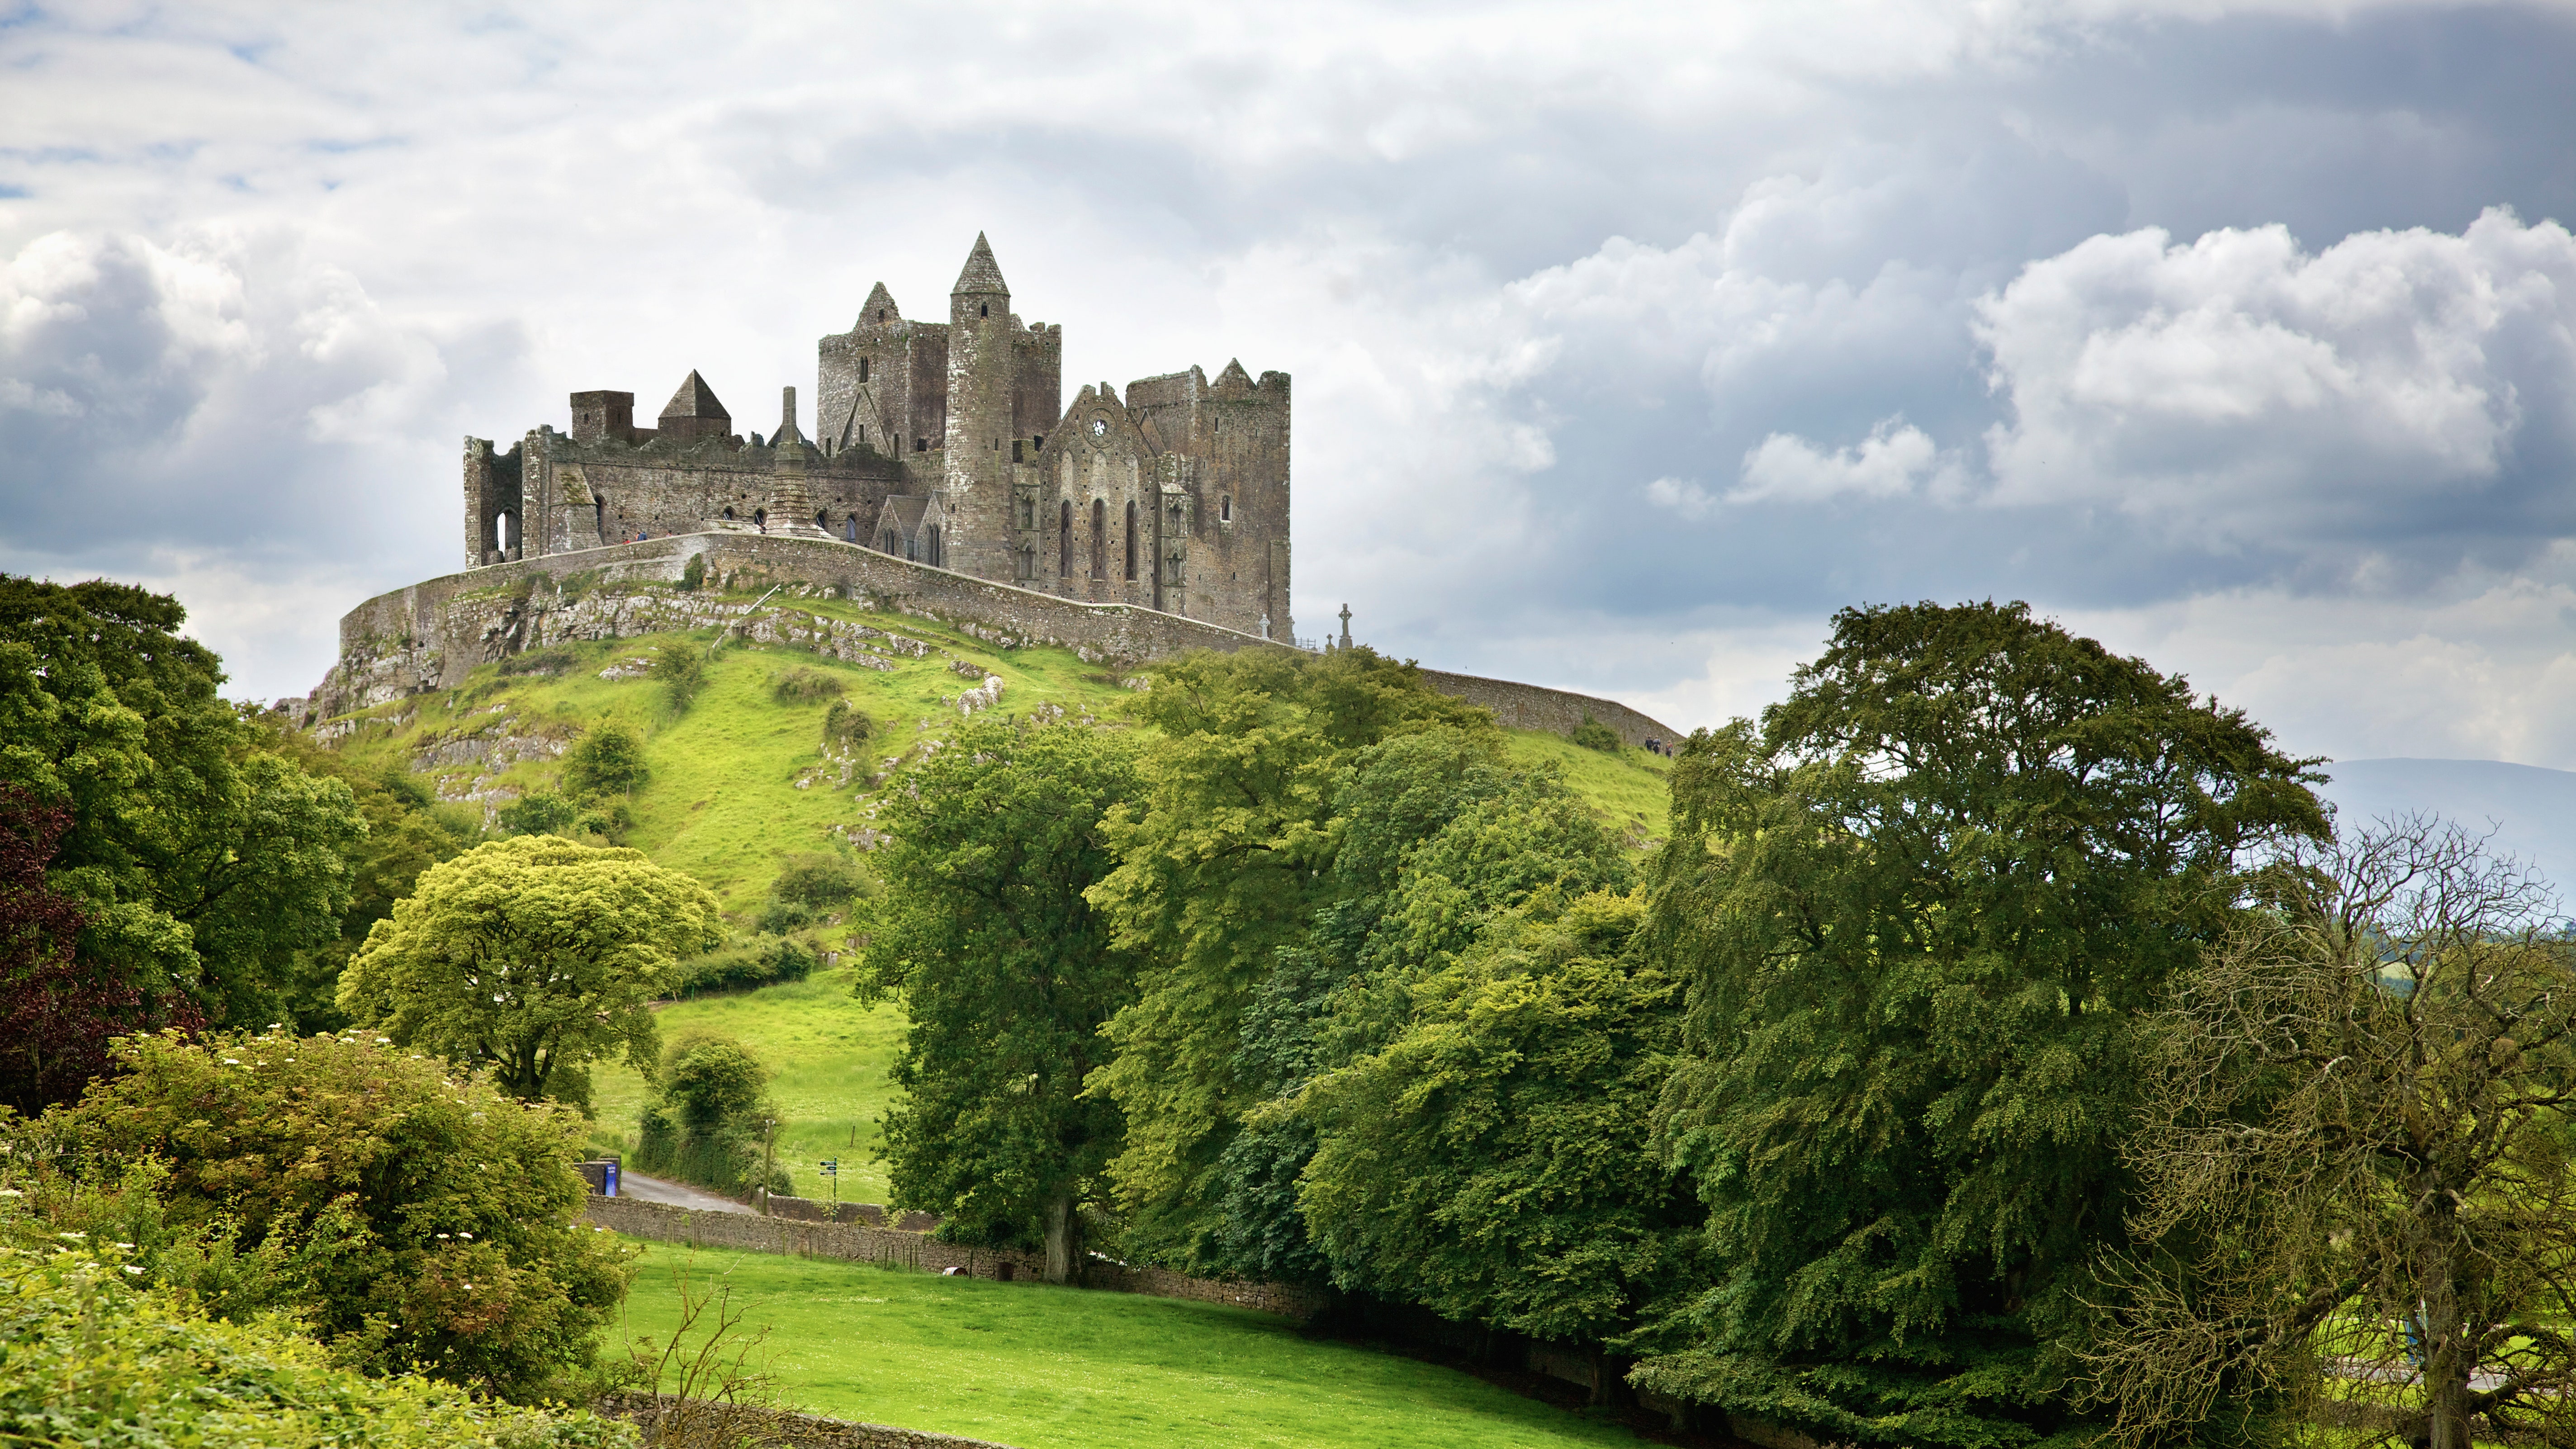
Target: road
676, 1194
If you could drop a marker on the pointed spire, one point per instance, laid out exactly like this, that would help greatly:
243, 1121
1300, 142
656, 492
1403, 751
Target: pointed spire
787, 432
880, 310
695, 400
1233, 382
982, 273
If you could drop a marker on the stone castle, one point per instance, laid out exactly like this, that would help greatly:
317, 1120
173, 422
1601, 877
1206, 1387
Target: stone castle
942, 443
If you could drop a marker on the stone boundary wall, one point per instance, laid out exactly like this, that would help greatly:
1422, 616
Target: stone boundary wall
431, 635
859, 1243
765, 1426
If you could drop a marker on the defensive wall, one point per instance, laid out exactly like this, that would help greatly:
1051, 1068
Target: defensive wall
431, 635
860, 1243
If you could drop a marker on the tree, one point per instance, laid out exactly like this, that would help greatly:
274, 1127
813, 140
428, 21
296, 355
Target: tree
421, 1222
710, 1120
609, 760
1221, 864
532, 957
55, 1019
202, 860
680, 667
1007, 972
2355, 1160
1494, 1161
1924, 913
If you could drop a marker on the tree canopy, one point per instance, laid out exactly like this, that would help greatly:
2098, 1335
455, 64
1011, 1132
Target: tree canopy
532, 957
1007, 972
1923, 911
202, 859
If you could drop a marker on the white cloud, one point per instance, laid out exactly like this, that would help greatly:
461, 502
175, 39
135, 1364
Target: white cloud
2240, 390
1688, 499
1888, 463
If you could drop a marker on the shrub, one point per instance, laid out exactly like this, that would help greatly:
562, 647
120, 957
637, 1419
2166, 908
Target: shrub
747, 968
784, 917
1594, 735
413, 1220
538, 812
694, 577
548, 662
165, 1375
681, 668
821, 881
845, 726
803, 686
609, 760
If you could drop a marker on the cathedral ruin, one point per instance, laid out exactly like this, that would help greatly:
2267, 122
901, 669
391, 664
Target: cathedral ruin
947, 444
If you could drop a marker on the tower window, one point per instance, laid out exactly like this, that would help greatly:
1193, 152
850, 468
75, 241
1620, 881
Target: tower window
921, 445
1225, 508
984, 310
881, 314
863, 369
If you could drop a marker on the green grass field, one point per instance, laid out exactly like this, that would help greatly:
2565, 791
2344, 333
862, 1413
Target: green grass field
830, 1056
1059, 1368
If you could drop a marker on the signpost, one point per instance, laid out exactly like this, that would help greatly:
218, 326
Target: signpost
832, 1169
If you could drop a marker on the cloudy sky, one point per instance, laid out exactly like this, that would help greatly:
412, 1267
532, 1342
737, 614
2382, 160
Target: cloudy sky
1629, 342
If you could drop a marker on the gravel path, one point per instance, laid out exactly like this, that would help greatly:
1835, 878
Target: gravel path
676, 1194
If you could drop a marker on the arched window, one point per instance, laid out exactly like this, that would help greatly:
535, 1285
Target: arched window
881, 314
850, 529
893, 544
728, 513
986, 310
1099, 539
1131, 541
1064, 539
760, 519
1225, 508
863, 362
501, 525
822, 520
931, 555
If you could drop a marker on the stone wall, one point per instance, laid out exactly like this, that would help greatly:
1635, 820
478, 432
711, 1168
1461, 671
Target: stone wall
860, 1243
699, 1421
433, 634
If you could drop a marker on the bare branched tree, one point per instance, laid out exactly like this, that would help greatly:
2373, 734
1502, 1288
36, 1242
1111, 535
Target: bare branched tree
2357, 1204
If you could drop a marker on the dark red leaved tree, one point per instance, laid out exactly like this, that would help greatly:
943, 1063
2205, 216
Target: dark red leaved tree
55, 1018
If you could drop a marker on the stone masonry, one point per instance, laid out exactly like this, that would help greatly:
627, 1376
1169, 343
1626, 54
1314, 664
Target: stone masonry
432, 635
946, 443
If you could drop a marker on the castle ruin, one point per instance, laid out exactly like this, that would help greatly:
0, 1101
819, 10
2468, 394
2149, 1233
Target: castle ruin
942, 443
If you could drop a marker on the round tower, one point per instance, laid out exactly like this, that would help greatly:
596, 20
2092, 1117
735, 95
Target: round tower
976, 475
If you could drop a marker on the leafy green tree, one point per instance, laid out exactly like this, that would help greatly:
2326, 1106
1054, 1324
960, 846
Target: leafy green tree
1007, 971
431, 1223
202, 860
608, 760
532, 957
538, 812
409, 829
1220, 865
710, 1120
1434, 837
1923, 913
1494, 1162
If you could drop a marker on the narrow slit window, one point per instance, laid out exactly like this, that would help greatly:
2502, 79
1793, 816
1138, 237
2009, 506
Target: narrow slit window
1131, 541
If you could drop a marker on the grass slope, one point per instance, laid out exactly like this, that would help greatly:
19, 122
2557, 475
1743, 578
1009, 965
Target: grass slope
739, 785
1059, 1368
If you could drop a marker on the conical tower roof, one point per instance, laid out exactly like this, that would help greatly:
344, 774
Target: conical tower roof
982, 273
695, 400
880, 310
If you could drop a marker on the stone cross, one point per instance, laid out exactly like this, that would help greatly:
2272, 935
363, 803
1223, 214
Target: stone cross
1346, 626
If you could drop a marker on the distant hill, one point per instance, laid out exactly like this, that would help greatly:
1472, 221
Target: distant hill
2532, 811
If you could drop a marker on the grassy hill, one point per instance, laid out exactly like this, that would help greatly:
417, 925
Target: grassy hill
740, 785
